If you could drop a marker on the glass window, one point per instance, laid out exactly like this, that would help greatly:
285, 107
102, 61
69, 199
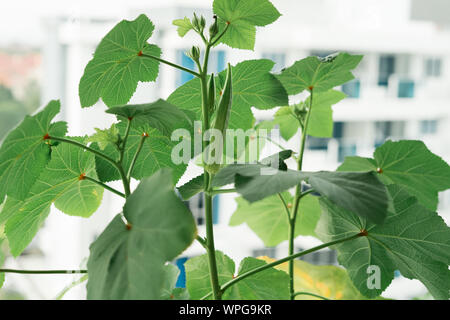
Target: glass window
269, 252
386, 69
351, 89
195, 204
324, 257
428, 126
433, 67
405, 89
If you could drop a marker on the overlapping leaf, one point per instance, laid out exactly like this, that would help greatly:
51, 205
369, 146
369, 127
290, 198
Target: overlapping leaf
413, 239
360, 192
2, 260
270, 284
242, 16
25, 153
118, 64
105, 137
125, 263
155, 154
61, 183
321, 74
268, 219
192, 187
184, 26
159, 114
253, 86
410, 164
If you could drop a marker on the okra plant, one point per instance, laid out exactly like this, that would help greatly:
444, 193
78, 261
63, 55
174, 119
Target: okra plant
378, 213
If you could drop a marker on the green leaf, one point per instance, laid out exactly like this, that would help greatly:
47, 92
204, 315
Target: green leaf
321, 74
410, 164
2, 260
360, 192
192, 187
243, 16
321, 117
184, 26
169, 292
413, 240
331, 282
269, 284
160, 115
155, 154
287, 121
25, 153
61, 183
117, 67
124, 262
268, 218
105, 137
253, 86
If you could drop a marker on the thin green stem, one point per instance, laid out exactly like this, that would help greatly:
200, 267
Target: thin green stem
80, 145
105, 186
213, 43
298, 196
219, 191
309, 294
135, 157
202, 242
280, 261
171, 64
125, 181
285, 207
42, 271
124, 140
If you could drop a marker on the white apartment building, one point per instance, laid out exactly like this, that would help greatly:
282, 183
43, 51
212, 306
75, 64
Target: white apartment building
401, 90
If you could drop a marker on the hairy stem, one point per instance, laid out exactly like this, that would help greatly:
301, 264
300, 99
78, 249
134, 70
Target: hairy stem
174, 65
105, 186
42, 271
298, 196
280, 261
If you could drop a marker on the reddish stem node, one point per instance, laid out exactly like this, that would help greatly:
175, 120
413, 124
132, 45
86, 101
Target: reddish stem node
82, 176
140, 53
129, 226
363, 233
145, 134
379, 170
46, 137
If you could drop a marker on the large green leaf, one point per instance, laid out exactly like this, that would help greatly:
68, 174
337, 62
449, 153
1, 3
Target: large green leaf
413, 240
128, 262
253, 86
331, 282
270, 284
410, 164
62, 183
320, 74
287, 121
118, 64
360, 192
155, 154
25, 151
268, 218
192, 187
242, 17
2, 260
160, 115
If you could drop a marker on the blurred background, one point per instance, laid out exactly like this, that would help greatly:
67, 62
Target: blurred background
401, 90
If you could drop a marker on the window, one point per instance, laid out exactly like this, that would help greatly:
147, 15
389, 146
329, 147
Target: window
195, 204
181, 281
278, 58
386, 69
216, 64
433, 67
269, 252
324, 257
314, 143
405, 89
351, 89
428, 126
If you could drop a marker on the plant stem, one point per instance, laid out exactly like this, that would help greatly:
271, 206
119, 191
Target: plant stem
298, 196
105, 186
211, 251
135, 157
80, 145
42, 271
219, 36
280, 261
309, 294
124, 141
202, 242
171, 64
286, 208
218, 191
